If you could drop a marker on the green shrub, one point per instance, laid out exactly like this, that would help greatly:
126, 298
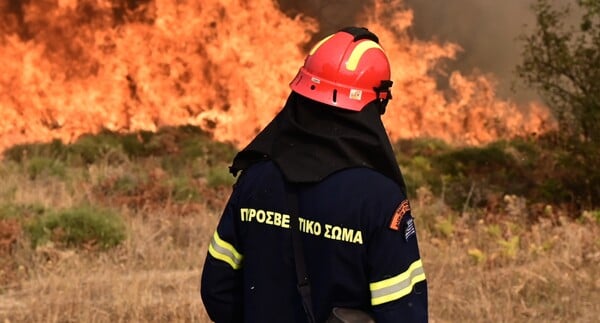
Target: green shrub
183, 189
187, 149
474, 159
131, 182
418, 172
468, 176
219, 176
44, 166
510, 247
444, 226
89, 149
408, 148
52, 150
20, 211
77, 227
175, 165
192, 148
525, 151
592, 215
219, 152
137, 145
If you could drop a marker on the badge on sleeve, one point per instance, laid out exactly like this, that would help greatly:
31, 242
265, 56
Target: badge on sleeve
402, 209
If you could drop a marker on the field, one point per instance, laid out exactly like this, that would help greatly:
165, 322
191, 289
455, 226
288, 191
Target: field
164, 193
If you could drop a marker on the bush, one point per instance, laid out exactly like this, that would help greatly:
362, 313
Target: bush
426, 147
219, 176
418, 172
183, 189
546, 170
87, 149
44, 166
22, 152
137, 145
473, 174
90, 149
191, 148
77, 227
20, 211
481, 160
560, 59
177, 147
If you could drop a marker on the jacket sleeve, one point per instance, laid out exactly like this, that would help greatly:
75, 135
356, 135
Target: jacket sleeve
397, 278
221, 283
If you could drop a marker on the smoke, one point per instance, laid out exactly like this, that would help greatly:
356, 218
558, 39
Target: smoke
486, 30
332, 15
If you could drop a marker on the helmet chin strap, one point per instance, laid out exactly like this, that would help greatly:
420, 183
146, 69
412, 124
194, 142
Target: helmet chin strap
384, 94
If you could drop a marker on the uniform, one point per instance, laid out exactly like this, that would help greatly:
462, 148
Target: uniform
329, 145
360, 244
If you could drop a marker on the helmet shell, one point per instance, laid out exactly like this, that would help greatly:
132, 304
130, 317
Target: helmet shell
343, 72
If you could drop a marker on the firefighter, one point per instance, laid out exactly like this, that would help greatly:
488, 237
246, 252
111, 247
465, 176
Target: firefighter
328, 145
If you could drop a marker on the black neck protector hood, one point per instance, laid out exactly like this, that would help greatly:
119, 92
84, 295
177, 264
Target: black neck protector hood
309, 140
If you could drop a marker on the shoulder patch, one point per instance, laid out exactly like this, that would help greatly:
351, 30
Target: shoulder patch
402, 209
410, 229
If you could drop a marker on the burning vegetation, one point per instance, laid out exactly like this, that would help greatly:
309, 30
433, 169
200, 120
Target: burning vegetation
112, 182
73, 67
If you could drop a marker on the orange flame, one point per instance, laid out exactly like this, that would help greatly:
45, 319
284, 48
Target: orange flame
77, 66
470, 113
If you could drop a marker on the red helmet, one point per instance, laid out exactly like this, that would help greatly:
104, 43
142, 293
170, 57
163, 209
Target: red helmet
347, 70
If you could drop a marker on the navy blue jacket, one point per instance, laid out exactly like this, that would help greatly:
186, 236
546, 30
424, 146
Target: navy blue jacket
358, 236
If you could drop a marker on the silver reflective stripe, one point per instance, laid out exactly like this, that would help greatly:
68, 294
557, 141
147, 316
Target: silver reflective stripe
224, 251
398, 286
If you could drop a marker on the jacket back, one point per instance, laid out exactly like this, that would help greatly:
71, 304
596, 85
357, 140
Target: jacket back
359, 241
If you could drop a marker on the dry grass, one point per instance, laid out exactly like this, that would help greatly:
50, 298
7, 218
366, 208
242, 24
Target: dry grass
153, 277
481, 267
558, 282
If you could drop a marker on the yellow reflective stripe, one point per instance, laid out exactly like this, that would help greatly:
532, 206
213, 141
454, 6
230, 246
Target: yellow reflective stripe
358, 52
391, 289
224, 251
314, 49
